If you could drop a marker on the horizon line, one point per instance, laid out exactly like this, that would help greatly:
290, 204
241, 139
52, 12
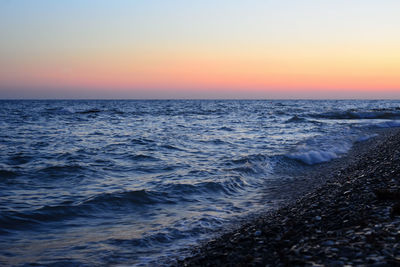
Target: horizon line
199, 99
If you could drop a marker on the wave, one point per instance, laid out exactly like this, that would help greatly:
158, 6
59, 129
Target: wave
171, 147
149, 239
60, 170
86, 208
116, 111
326, 148
143, 141
312, 157
89, 111
80, 111
8, 174
183, 190
296, 119
352, 114
321, 149
142, 157
250, 166
228, 129
248, 158
56, 111
214, 142
19, 159
136, 197
387, 124
168, 194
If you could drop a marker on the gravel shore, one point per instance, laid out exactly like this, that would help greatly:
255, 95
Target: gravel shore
351, 219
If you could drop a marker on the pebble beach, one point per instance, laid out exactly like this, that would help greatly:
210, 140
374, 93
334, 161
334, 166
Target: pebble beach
352, 218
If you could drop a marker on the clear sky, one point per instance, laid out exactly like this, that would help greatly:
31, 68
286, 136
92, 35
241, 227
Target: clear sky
199, 49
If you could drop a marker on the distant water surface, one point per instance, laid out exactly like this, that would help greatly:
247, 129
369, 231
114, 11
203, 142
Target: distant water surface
134, 182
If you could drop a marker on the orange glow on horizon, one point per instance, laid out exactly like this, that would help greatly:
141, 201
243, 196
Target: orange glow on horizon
239, 71
283, 69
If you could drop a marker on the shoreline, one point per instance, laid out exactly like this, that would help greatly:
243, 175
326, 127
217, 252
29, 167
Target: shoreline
352, 217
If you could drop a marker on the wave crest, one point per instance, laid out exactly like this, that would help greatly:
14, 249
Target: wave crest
356, 115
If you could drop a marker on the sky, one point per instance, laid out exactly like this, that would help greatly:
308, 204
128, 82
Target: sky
169, 49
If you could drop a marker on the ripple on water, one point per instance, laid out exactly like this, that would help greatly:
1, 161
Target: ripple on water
125, 181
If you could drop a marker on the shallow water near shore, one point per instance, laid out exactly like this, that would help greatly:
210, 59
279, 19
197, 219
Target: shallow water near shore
134, 182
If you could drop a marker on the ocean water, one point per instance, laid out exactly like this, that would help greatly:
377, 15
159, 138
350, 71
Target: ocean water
137, 182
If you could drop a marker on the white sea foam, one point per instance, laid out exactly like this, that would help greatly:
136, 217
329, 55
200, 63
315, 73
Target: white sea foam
326, 148
314, 154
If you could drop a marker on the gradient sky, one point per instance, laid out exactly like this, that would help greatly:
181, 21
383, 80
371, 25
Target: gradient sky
199, 49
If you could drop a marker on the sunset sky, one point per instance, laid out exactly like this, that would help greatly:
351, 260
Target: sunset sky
199, 49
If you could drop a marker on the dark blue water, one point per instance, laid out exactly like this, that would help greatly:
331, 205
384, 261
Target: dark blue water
134, 182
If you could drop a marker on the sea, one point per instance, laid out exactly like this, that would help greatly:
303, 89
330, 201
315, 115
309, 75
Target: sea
140, 182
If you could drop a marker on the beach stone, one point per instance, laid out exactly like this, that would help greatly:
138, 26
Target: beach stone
328, 243
257, 233
336, 263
